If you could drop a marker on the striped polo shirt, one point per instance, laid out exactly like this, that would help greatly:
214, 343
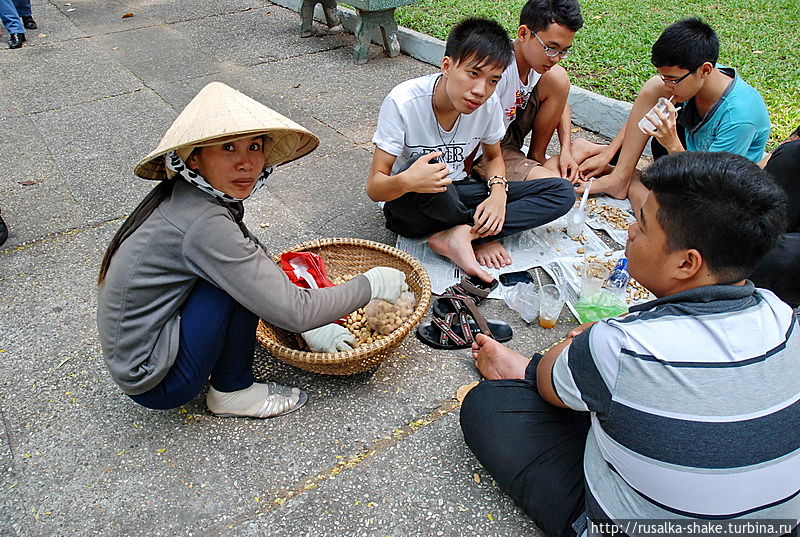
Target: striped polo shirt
695, 407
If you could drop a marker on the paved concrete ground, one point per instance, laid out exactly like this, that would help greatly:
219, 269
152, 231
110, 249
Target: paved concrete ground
80, 103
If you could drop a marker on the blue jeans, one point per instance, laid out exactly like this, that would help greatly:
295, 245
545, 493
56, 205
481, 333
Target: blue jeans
10, 13
217, 339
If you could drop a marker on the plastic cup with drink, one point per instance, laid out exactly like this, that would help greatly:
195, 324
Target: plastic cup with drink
593, 276
577, 217
575, 220
651, 121
550, 303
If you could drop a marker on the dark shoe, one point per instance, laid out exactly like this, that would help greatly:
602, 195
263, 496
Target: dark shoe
457, 330
29, 23
16, 40
3, 231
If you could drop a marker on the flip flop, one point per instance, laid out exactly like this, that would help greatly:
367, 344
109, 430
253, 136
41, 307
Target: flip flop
469, 287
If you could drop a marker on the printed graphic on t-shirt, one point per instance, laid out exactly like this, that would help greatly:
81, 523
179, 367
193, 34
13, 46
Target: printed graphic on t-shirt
523, 94
451, 153
520, 101
510, 112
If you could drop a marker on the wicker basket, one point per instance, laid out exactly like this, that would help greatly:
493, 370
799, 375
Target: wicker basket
344, 258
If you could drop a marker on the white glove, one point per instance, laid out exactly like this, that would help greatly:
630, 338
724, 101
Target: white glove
330, 338
386, 283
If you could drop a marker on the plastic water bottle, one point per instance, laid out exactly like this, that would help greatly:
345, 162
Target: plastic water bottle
618, 280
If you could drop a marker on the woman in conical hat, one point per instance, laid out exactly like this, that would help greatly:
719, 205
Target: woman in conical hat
183, 282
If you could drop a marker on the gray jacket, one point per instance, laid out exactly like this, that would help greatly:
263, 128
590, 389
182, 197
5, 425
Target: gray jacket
191, 236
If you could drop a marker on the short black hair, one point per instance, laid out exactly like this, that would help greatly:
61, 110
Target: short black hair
481, 41
537, 15
720, 204
688, 43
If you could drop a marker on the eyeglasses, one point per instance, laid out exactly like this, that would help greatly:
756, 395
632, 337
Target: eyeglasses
551, 52
676, 81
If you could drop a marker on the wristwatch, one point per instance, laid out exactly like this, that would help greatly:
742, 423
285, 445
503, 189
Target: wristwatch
497, 180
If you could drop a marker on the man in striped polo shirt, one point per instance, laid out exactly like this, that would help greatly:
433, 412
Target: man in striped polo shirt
683, 411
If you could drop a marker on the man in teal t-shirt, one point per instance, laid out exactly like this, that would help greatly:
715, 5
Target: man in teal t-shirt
709, 108
737, 123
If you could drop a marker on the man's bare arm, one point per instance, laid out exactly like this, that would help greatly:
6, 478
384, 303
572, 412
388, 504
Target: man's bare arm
423, 176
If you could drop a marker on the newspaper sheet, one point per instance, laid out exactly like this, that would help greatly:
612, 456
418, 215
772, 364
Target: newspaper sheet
527, 249
618, 216
548, 247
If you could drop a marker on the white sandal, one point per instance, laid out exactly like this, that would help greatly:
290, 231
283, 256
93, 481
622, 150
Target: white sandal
268, 400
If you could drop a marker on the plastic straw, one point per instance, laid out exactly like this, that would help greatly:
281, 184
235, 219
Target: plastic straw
538, 279
585, 195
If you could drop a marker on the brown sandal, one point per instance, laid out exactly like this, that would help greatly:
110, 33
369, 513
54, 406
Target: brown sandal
469, 287
457, 330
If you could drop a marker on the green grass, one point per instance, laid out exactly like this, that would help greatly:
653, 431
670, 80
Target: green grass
612, 52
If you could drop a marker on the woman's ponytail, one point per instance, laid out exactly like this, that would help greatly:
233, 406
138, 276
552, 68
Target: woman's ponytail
153, 199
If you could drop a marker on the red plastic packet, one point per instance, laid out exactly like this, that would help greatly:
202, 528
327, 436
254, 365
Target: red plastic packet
306, 269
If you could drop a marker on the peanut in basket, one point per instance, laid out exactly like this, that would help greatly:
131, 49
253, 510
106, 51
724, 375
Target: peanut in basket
385, 318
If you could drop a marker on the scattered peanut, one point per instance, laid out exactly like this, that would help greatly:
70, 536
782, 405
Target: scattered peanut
613, 215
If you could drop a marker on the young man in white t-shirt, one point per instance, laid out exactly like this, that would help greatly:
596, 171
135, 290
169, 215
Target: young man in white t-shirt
534, 90
427, 127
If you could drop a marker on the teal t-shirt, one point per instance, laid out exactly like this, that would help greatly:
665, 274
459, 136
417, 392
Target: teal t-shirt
738, 122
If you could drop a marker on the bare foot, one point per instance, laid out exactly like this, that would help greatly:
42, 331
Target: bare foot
456, 245
607, 184
496, 361
492, 255
583, 149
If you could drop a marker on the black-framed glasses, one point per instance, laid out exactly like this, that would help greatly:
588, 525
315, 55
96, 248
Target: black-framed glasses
675, 81
551, 52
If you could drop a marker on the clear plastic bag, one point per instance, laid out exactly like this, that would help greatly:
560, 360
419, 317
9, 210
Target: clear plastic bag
385, 318
524, 299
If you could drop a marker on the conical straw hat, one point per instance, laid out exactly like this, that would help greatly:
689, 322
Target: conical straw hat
219, 113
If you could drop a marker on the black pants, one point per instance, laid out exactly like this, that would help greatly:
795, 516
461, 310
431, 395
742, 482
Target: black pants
532, 449
779, 270
530, 204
